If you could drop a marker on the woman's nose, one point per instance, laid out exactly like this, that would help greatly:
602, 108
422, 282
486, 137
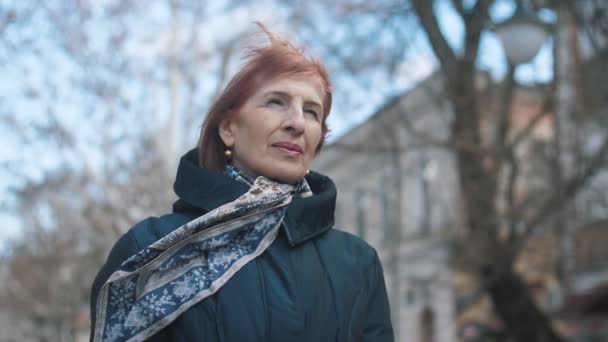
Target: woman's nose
295, 120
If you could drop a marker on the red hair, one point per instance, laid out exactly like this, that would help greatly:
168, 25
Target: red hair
262, 64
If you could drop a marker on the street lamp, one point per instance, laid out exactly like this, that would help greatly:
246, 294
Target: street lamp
522, 35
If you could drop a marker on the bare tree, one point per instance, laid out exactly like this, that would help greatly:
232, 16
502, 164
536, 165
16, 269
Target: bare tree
71, 219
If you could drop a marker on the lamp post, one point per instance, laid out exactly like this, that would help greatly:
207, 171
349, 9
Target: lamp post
522, 35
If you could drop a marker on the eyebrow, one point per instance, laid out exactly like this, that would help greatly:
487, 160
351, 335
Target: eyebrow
284, 94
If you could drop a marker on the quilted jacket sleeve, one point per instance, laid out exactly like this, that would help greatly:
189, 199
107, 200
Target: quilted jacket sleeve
378, 327
125, 247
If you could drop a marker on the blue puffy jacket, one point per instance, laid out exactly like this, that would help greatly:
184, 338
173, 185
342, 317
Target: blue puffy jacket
313, 284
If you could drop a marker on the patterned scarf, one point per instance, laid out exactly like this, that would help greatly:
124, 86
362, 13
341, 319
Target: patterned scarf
153, 287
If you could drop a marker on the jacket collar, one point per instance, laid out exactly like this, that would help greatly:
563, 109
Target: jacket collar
201, 190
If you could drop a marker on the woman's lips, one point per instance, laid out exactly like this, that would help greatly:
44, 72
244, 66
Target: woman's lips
289, 148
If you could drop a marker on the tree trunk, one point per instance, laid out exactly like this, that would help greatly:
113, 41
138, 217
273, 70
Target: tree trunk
522, 318
524, 321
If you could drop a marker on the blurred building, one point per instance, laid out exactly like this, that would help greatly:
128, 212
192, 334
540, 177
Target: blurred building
397, 189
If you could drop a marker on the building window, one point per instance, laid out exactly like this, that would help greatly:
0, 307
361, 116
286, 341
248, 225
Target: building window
410, 296
427, 325
360, 209
427, 174
388, 236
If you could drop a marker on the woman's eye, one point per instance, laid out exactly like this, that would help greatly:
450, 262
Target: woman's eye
313, 113
277, 102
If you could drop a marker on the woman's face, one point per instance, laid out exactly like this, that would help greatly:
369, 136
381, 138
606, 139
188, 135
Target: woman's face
277, 130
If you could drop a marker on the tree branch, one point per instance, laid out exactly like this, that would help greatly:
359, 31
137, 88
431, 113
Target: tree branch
428, 20
226, 52
570, 190
545, 108
510, 193
524, 133
475, 24
460, 8
505, 112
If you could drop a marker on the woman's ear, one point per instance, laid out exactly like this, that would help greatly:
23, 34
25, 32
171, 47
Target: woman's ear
227, 131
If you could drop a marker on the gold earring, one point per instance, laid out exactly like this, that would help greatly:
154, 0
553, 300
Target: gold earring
228, 153
307, 172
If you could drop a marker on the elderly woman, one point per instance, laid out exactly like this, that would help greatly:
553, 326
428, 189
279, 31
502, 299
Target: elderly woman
249, 252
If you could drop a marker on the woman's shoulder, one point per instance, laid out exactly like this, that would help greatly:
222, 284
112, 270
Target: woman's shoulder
150, 230
143, 234
138, 237
348, 247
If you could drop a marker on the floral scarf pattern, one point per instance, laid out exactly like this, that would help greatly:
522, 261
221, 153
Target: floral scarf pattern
153, 287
